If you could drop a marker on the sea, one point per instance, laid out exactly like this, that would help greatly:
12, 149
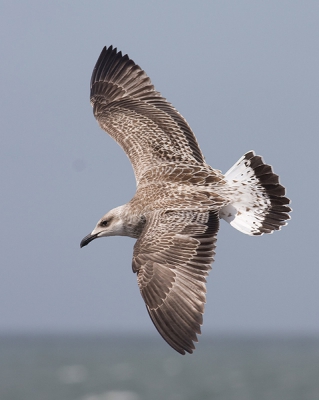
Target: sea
132, 367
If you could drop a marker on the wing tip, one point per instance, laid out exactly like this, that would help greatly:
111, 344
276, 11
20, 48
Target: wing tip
175, 341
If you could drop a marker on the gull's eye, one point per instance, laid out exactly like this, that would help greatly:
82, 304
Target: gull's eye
104, 223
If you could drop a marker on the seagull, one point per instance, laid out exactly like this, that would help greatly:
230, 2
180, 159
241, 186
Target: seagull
179, 199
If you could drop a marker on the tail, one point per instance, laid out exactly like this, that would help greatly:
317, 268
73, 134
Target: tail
258, 204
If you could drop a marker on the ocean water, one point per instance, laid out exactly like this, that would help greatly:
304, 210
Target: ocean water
145, 368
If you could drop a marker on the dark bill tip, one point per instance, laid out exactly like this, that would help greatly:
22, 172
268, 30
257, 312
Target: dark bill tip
87, 239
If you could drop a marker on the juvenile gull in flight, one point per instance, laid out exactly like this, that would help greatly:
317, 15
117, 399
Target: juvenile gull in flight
179, 200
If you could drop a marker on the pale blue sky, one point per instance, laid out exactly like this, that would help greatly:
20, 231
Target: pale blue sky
245, 76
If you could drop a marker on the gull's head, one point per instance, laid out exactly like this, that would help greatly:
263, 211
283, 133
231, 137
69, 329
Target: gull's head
111, 224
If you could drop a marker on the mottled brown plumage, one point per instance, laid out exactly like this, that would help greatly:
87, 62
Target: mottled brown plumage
179, 198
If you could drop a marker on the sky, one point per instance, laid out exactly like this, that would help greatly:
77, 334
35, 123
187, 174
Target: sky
244, 75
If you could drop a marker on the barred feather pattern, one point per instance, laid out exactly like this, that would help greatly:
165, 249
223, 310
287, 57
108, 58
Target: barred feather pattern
179, 200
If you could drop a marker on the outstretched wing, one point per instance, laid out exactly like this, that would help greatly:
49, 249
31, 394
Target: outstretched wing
172, 258
148, 128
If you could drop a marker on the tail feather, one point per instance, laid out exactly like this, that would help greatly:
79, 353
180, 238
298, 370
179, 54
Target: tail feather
258, 204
